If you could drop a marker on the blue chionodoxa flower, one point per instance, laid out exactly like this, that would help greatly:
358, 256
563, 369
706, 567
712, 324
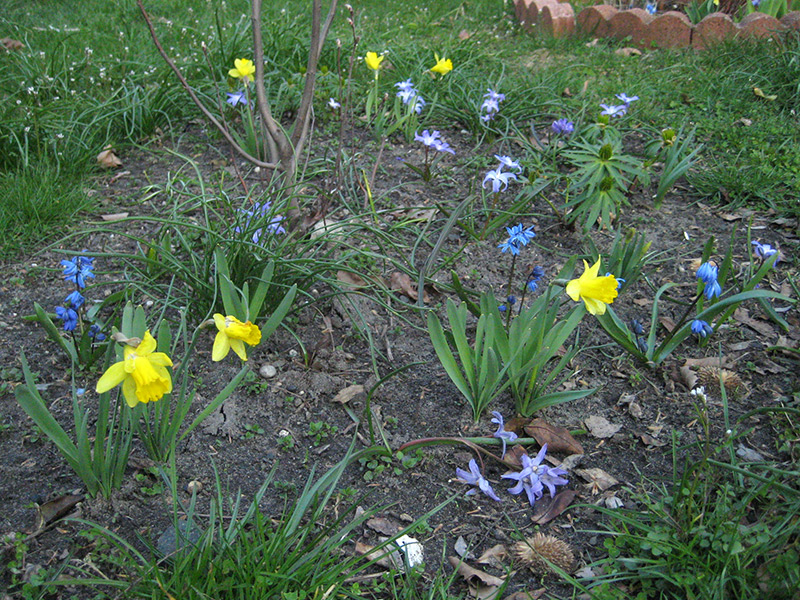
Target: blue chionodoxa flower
498, 179
78, 269
701, 328
764, 251
75, 299
501, 433
535, 476
507, 161
69, 316
562, 127
491, 104
410, 96
433, 139
623, 97
260, 211
237, 98
613, 110
517, 236
475, 477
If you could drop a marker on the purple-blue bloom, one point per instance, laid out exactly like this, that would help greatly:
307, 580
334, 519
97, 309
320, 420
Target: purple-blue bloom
627, 99
474, 477
505, 436
613, 110
533, 279
491, 104
94, 333
237, 98
701, 328
69, 316
707, 273
712, 290
498, 179
75, 299
534, 477
562, 127
78, 269
652, 7
260, 211
764, 251
509, 162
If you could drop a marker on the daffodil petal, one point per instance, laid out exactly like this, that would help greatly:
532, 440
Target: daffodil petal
574, 290
160, 359
222, 346
114, 375
147, 346
595, 307
238, 347
129, 392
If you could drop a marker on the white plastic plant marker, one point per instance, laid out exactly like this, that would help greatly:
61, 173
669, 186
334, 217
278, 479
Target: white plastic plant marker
411, 550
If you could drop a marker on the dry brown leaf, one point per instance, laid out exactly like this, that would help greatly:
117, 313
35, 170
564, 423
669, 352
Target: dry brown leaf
688, 377
514, 455
494, 556
352, 391
108, 160
628, 52
474, 577
381, 557
743, 316
566, 93
710, 361
464, 35
730, 216
600, 427
598, 480
666, 323
401, 282
649, 440
11, 44
642, 301
114, 217
557, 439
635, 410
54, 510
383, 525
421, 214
351, 280
558, 505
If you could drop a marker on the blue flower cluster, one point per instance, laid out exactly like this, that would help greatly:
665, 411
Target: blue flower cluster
75, 270
563, 127
764, 251
498, 178
491, 105
260, 211
535, 276
532, 479
618, 110
708, 273
433, 139
701, 328
410, 96
517, 236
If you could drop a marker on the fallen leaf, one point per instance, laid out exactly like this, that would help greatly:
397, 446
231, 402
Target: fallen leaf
744, 121
598, 479
600, 427
494, 556
593, 43
557, 439
381, 557
635, 410
748, 454
383, 525
421, 214
464, 35
351, 280
558, 505
628, 52
641, 301
743, 316
688, 377
667, 323
769, 98
514, 455
401, 282
11, 44
711, 361
114, 217
107, 159
474, 577
56, 509
572, 461
352, 391
649, 440
730, 217
566, 93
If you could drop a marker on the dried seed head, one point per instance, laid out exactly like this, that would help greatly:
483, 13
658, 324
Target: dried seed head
536, 552
710, 377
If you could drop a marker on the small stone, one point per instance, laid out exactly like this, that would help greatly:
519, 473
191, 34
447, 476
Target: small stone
168, 543
267, 371
194, 487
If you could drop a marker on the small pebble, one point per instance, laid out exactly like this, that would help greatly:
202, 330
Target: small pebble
267, 371
194, 487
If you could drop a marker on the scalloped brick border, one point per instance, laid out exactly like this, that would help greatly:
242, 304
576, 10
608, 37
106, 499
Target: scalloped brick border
670, 29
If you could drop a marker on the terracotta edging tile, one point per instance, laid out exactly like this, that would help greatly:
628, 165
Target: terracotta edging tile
671, 29
631, 23
557, 20
594, 20
791, 20
713, 29
759, 25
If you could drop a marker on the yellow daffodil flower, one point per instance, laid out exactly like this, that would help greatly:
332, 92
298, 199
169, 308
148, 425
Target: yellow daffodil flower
233, 334
595, 291
244, 69
374, 61
142, 373
443, 65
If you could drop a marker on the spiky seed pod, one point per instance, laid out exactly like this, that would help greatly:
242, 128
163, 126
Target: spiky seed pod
535, 553
710, 378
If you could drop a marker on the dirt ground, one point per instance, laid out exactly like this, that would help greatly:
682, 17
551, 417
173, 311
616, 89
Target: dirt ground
651, 406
